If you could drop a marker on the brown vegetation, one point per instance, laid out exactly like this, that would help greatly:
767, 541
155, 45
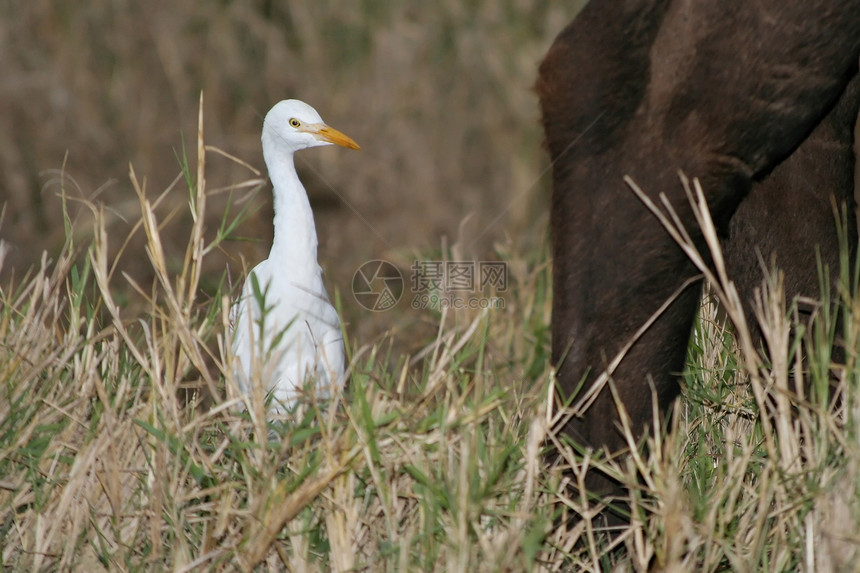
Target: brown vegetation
438, 95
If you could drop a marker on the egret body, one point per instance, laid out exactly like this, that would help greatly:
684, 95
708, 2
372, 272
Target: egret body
296, 334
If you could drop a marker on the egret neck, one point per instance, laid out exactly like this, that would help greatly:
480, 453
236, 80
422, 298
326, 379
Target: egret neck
295, 239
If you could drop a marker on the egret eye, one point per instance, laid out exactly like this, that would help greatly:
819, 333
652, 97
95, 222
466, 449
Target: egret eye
294, 122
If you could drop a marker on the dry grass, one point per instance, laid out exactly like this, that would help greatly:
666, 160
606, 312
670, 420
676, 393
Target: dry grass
108, 462
121, 447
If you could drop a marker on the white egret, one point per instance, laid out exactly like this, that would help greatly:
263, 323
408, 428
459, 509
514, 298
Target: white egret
296, 335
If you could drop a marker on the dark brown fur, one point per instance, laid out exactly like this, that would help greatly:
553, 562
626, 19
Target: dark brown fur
750, 96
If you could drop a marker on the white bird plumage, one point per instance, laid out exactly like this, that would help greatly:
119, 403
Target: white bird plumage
299, 335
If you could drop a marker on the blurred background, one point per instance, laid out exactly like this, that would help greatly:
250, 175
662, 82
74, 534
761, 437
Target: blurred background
438, 94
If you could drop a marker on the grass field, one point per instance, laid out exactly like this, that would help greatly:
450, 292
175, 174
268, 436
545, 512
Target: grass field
121, 443
122, 448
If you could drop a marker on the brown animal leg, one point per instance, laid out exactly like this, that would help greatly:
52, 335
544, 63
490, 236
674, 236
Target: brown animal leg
790, 213
721, 90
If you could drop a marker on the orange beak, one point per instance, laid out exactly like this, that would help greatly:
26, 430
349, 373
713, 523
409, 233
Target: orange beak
331, 135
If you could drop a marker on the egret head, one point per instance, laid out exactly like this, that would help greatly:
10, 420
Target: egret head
292, 125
